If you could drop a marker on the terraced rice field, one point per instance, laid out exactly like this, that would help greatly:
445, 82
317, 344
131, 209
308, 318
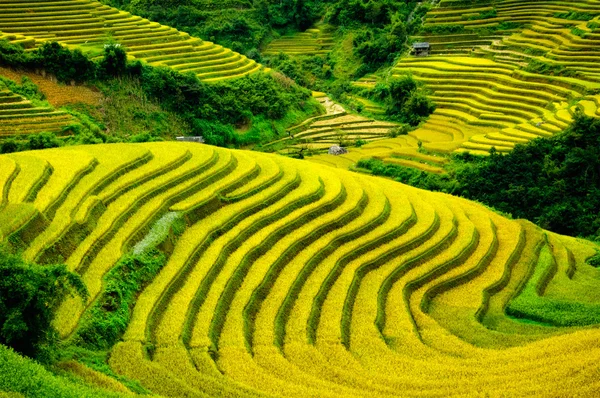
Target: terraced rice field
485, 98
298, 280
317, 40
87, 24
494, 91
19, 116
335, 127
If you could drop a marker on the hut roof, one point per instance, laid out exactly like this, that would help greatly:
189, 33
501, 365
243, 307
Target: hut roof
421, 45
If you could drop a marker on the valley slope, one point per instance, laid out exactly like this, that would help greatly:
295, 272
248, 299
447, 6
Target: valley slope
284, 278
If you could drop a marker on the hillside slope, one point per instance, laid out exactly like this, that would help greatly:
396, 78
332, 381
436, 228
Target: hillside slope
290, 279
501, 73
88, 25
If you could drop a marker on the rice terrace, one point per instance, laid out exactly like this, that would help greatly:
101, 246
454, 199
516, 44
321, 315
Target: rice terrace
299, 198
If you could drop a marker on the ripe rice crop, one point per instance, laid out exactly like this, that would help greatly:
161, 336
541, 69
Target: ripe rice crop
284, 278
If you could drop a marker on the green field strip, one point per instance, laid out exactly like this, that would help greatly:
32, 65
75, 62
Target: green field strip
249, 67
246, 170
475, 265
430, 133
519, 100
319, 229
274, 314
320, 325
166, 157
456, 308
209, 55
222, 65
205, 48
285, 251
178, 360
34, 172
128, 216
16, 220
128, 359
484, 147
484, 115
391, 318
248, 252
269, 175
459, 251
172, 48
68, 171
416, 164
215, 60
416, 155
200, 313
294, 343
486, 140
423, 72
9, 169
166, 289
497, 295
531, 304
112, 166
354, 375
573, 281
502, 137
543, 130
73, 24
501, 88
488, 105
127, 204
362, 326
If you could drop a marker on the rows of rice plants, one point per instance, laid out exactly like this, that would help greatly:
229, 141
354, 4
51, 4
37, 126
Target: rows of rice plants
288, 278
490, 92
500, 74
88, 24
19, 116
314, 41
335, 127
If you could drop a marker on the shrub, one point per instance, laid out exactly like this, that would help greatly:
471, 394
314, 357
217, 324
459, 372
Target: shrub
107, 320
29, 295
405, 98
43, 141
9, 146
574, 15
114, 62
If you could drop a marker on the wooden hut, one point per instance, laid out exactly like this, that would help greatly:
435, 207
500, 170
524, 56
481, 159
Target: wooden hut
421, 49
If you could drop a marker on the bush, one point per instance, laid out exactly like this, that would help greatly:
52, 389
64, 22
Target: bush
9, 146
405, 99
114, 62
106, 322
574, 15
43, 141
544, 68
29, 295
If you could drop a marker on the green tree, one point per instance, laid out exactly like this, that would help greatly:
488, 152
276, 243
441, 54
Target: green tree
29, 295
43, 141
114, 62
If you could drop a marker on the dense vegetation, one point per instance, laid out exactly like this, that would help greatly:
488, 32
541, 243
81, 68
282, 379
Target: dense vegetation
380, 28
241, 25
225, 105
553, 182
29, 295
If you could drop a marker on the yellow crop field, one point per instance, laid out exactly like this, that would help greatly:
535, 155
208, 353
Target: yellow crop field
500, 74
292, 279
87, 25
